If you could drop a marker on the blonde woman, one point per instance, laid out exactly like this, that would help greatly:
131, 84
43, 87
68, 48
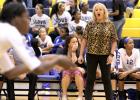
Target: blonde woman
100, 39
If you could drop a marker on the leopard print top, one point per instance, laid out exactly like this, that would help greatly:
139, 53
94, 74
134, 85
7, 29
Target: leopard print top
99, 37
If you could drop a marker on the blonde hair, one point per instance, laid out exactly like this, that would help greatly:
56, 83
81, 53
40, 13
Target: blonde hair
42, 29
105, 11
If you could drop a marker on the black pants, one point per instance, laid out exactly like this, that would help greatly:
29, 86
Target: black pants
32, 84
10, 89
92, 63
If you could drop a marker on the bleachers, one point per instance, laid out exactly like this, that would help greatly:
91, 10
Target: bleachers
132, 23
131, 32
136, 13
131, 28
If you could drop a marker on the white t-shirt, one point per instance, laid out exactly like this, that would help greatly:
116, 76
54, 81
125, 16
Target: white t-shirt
39, 21
61, 20
87, 17
47, 41
72, 26
127, 62
11, 38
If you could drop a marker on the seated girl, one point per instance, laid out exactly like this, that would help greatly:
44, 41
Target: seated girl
128, 63
45, 41
59, 41
71, 49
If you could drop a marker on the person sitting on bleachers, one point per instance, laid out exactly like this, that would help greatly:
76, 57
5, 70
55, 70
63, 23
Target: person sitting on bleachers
128, 63
71, 50
60, 18
73, 6
39, 20
79, 32
85, 14
76, 22
59, 41
129, 8
45, 41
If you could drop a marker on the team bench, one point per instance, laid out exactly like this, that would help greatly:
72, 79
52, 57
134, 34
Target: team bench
58, 91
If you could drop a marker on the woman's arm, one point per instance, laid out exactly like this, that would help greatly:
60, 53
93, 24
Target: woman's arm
113, 46
83, 46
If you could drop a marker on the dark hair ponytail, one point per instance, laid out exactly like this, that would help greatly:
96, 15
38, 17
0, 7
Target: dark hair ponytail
122, 42
54, 9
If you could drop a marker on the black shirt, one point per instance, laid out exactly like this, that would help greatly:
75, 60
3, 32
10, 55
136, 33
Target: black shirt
118, 5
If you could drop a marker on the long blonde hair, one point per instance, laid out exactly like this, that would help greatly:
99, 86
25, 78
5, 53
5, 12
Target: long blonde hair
105, 11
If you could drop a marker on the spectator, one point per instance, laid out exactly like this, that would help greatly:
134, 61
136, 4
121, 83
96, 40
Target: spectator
76, 22
100, 38
29, 3
59, 41
60, 18
118, 15
45, 41
79, 32
74, 6
39, 20
85, 14
71, 50
129, 8
35, 2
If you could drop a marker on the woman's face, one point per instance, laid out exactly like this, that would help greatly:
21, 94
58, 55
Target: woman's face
77, 15
99, 13
61, 7
22, 23
42, 33
38, 10
73, 42
129, 45
85, 7
62, 32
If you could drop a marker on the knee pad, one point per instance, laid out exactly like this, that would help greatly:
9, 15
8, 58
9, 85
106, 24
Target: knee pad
114, 75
